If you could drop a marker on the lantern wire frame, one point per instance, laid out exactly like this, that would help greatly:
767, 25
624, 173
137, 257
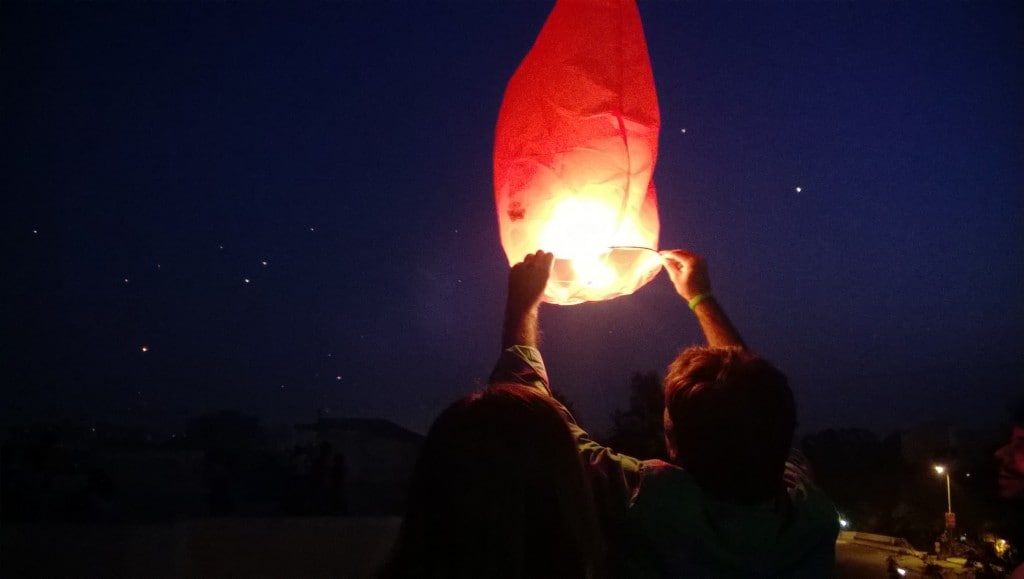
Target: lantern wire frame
619, 271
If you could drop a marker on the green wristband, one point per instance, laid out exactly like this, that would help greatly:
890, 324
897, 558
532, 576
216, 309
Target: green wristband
697, 299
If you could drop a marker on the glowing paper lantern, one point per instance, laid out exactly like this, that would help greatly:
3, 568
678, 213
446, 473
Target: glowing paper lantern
576, 143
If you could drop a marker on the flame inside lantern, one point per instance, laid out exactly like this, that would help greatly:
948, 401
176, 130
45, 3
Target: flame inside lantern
575, 148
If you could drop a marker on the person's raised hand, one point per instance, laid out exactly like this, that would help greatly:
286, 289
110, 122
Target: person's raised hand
688, 272
527, 280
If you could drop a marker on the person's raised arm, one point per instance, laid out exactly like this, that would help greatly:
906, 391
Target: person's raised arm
689, 275
526, 283
614, 476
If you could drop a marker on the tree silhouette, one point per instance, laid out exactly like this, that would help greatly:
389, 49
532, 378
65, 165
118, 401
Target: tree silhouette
639, 431
862, 474
227, 430
230, 439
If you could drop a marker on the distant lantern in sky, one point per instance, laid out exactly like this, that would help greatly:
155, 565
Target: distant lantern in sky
574, 151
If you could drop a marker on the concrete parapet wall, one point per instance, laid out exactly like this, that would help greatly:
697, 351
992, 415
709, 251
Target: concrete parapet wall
877, 540
340, 547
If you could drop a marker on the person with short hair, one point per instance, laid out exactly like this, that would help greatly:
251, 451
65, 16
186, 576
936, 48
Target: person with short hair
1010, 462
730, 503
714, 391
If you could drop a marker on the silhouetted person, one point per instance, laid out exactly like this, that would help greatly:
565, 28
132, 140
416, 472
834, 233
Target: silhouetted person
1010, 458
498, 492
729, 504
220, 473
320, 479
337, 499
296, 491
892, 568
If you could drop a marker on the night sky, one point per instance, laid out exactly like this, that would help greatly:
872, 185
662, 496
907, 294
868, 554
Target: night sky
281, 208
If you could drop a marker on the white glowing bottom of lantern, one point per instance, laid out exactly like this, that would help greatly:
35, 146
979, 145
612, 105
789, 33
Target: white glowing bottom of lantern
580, 229
598, 254
617, 271
593, 271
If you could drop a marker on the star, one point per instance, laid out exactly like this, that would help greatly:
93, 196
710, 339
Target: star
799, 189
246, 280
682, 131
145, 348
264, 263
125, 280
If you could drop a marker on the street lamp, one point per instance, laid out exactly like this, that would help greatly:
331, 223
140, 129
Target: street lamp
950, 517
949, 497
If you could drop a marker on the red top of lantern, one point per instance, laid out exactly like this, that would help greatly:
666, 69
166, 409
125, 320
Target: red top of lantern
575, 148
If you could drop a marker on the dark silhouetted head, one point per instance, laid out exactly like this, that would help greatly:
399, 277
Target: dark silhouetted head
1010, 457
729, 421
499, 491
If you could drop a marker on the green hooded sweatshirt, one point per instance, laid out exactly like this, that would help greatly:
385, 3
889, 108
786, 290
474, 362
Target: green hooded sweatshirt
663, 525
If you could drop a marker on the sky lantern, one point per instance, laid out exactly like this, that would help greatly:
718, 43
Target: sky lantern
574, 151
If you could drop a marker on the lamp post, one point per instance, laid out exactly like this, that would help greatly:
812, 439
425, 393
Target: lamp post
950, 517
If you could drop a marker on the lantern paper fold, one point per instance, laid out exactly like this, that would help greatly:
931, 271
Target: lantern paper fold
575, 147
